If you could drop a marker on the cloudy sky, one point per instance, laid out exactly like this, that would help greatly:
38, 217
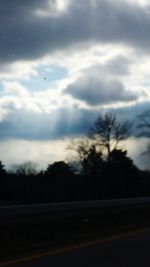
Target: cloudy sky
62, 62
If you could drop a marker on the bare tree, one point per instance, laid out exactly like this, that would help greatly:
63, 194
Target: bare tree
26, 168
81, 148
104, 138
86, 154
108, 132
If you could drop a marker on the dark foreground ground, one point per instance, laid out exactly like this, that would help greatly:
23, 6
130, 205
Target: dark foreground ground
24, 234
124, 251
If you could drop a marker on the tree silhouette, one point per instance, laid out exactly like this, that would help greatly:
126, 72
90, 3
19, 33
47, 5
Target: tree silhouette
59, 168
2, 175
61, 177
26, 168
119, 158
122, 174
93, 162
107, 132
82, 148
2, 169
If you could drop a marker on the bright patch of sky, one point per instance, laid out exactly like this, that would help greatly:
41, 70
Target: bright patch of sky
46, 78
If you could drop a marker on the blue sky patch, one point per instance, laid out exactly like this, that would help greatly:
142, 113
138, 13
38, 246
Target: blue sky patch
47, 76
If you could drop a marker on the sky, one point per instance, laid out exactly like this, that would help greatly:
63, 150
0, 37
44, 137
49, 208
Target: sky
62, 63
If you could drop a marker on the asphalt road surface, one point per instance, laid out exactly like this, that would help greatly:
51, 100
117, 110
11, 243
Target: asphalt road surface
70, 207
124, 251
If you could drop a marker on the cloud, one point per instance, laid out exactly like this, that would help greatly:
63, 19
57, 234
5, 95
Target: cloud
33, 36
117, 66
98, 85
58, 124
41, 126
100, 92
14, 89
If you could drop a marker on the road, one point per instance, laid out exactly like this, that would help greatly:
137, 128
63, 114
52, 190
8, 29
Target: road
124, 251
70, 207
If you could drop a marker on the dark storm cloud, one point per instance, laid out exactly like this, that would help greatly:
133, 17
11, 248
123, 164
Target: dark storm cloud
23, 35
59, 124
117, 66
100, 84
135, 113
100, 92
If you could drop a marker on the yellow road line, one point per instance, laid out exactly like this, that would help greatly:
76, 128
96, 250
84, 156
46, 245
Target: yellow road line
73, 247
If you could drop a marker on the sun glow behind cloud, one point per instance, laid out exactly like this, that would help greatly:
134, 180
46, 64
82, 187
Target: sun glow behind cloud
53, 9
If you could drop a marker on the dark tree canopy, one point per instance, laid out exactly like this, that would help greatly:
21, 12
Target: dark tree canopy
93, 163
59, 168
2, 169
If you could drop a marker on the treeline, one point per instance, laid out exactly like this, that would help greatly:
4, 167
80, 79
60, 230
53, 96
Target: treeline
119, 178
100, 170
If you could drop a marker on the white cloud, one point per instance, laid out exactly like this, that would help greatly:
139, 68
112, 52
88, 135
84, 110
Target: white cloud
111, 61
14, 88
144, 3
22, 70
